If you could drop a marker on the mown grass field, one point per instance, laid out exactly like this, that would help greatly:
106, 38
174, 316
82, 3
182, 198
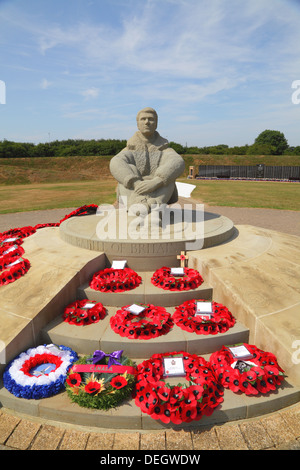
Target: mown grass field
19, 198
51, 183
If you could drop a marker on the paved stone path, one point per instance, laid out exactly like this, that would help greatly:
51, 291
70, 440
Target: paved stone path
277, 431
282, 221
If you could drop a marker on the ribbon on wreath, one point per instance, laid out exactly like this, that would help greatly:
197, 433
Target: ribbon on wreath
99, 355
113, 365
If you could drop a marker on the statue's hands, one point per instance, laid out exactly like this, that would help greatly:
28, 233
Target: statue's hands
147, 186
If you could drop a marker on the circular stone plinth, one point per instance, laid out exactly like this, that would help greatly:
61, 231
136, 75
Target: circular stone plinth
151, 246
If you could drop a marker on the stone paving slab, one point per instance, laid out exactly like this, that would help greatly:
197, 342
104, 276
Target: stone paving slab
277, 431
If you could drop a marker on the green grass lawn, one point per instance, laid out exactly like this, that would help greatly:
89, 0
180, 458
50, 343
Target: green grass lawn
29, 197
271, 195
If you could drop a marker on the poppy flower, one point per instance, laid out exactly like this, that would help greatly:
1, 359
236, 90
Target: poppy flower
94, 386
246, 386
234, 383
74, 380
176, 395
162, 412
189, 411
163, 391
262, 386
118, 382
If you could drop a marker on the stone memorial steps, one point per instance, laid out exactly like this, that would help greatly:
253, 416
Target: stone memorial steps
86, 339
128, 415
145, 293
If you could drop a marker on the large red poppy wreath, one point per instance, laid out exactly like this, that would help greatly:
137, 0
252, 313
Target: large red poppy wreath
187, 318
180, 403
150, 323
164, 279
259, 373
115, 280
84, 312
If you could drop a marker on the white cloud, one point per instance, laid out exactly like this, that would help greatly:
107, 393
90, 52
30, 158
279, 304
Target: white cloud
216, 60
45, 84
90, 93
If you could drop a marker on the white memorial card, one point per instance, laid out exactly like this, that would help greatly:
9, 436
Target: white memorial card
12, 248
9, 240
173, 366
119, 264
177, 271
18, 261
240, 352
135, 309
89, 305
204, 310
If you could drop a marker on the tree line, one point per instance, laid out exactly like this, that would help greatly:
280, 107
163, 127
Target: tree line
269, 142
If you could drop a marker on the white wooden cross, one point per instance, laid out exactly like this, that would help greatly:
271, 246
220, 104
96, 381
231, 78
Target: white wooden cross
183, 257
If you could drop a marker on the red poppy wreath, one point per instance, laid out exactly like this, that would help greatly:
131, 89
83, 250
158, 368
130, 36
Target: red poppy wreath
115, 280
164, 279
84, 312
9, 254
251, 370
150, 322
14, 271
199, 396
22, 232
189, 318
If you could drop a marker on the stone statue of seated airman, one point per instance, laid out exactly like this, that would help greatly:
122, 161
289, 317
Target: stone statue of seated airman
147, 168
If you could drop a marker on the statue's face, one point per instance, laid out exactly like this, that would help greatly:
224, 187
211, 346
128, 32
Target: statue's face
147, 123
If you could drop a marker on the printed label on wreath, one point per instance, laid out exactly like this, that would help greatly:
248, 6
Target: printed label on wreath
204, 310
9, 240
103, 369
173, 366
118, 264
10, 249
177, 271
240, 352
18, 261
89, 305
242, 366
135, 309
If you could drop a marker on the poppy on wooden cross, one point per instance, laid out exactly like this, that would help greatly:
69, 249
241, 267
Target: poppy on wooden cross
183, 257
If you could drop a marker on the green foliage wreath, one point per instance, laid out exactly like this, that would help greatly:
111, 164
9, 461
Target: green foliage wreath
100, 390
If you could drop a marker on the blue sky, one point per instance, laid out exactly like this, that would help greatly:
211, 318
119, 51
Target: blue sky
216, 71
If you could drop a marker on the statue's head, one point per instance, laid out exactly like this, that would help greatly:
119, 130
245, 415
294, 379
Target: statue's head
147, 121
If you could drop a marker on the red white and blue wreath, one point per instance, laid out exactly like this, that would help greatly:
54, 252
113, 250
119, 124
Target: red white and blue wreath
190, 317
163, 278
39, 372
246, 368
185, 402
